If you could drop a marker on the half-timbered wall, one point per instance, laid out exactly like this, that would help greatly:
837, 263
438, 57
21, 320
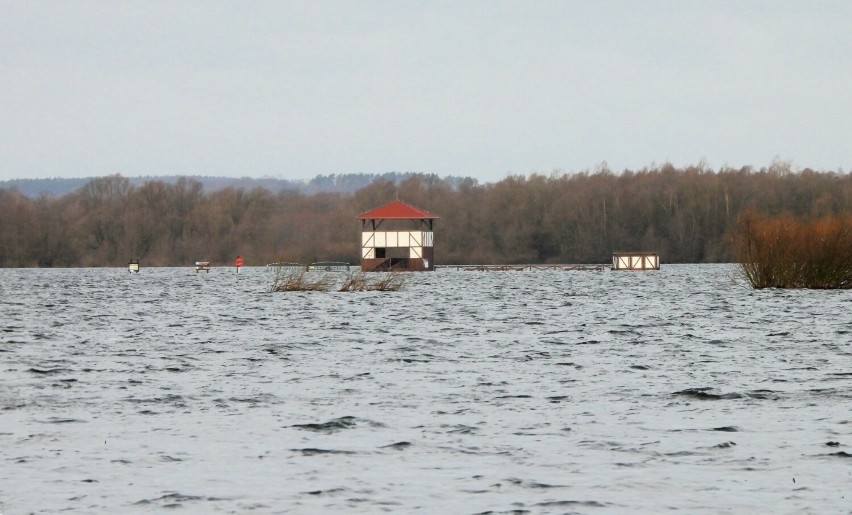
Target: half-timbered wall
637, 261
412, 240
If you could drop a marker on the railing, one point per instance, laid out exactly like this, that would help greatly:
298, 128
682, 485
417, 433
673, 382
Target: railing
519, 268
319, 266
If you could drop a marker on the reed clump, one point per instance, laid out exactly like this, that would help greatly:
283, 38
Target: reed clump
288, 279
790, 252
294, 277
392, 281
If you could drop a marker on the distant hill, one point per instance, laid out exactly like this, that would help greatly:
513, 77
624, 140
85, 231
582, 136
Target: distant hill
60, 186
334, 183
37, 187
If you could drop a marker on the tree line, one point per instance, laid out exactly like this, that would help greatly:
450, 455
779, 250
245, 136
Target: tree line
685, 214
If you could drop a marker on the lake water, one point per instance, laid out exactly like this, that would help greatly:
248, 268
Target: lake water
466, 392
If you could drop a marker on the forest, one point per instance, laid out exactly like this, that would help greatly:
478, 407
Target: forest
686, 214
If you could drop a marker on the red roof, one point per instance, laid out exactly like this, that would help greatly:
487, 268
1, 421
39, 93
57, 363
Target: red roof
397, 210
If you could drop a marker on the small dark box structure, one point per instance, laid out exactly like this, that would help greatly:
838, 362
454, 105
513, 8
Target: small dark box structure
405, 241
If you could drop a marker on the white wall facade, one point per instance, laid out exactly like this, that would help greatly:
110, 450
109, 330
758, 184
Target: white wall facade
635, 262
396, 239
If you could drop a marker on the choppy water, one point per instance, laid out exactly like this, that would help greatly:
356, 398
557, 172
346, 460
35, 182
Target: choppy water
467, 392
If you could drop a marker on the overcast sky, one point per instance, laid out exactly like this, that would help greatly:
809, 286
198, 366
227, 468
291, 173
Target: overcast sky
461, 87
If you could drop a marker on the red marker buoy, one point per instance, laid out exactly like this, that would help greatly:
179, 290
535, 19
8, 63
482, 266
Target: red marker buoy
238, 263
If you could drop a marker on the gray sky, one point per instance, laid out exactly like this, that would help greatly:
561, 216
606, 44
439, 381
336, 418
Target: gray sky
462, 87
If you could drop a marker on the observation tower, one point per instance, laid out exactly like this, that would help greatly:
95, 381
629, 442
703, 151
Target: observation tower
397, 237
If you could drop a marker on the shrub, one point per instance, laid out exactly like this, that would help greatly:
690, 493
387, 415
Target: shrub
790, 252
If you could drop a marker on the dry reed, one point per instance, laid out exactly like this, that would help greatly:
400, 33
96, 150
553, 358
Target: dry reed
790, 252
392, 281
289, 279
294, 277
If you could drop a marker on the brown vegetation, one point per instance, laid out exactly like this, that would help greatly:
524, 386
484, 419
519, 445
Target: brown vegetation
684, 214
791, 252
290, 279
380, 281
297, 278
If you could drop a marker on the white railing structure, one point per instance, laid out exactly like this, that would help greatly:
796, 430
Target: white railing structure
635, 261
